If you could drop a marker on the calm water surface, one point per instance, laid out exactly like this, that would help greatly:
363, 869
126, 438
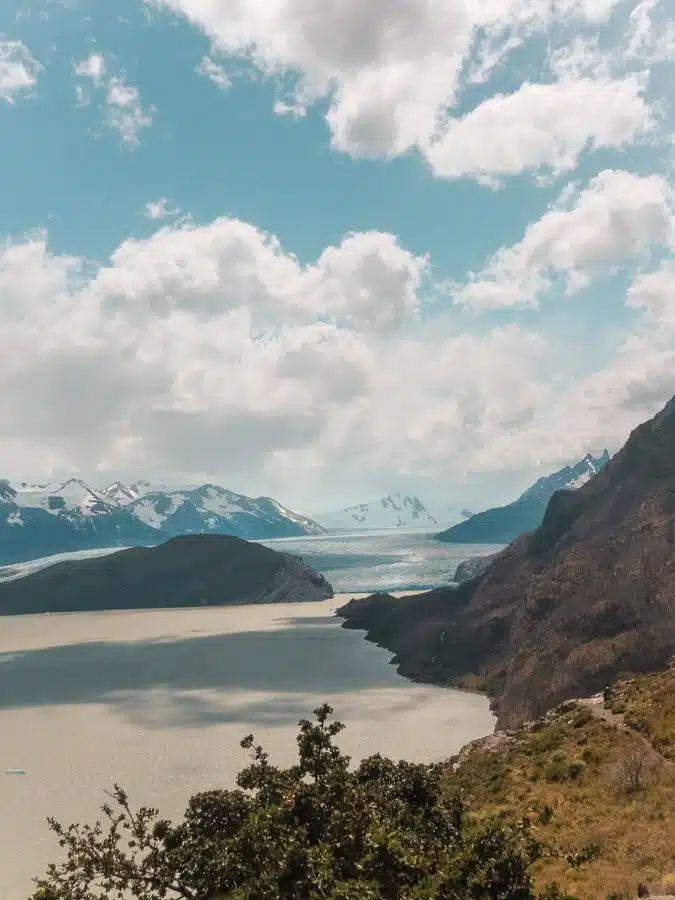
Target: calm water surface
159, 700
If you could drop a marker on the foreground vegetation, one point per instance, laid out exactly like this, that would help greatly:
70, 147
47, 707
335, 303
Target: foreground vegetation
380, 831
595, 781
583, 798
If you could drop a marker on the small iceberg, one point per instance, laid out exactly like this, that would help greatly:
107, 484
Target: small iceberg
15, 771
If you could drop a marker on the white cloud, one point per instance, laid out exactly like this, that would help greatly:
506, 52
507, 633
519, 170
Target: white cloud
619, 216
92, 67
160, 209
651, 33
124, 112
542, 125
214, 72
367, 281
392, 73
212, 352
18, 70
653, 292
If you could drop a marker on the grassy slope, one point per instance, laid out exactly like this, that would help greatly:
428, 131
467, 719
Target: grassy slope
573, 761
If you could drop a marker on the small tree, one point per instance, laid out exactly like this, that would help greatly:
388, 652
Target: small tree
634, 770
315, 831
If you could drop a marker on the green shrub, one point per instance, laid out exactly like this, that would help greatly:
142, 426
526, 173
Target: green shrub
381, 831
576, 769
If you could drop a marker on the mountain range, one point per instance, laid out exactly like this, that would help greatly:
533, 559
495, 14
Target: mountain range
396, 510
563, 611
45, 519
502, 524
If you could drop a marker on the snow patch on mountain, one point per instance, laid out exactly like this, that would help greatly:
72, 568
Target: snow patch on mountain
73, 496
210, 508
567, 478
396, 510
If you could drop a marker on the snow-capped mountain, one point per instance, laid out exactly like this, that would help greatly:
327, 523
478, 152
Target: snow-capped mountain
393, 511
73, 497
212, 509
569, 477
39, 520
504, 523
121, 493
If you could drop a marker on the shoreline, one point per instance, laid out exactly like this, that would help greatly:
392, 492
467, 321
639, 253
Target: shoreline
340, 599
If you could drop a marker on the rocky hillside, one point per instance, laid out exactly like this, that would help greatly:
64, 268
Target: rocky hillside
562, 611
193, 570
596, 779
502, 524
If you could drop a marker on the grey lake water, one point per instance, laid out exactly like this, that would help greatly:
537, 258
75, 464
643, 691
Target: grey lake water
158, 700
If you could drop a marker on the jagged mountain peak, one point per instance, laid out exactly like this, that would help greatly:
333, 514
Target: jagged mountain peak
502, 524
394, 510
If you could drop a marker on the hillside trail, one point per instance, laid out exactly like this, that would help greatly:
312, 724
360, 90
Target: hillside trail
596, 704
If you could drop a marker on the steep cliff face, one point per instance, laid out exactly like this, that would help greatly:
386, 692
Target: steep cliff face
563, 611
191, 570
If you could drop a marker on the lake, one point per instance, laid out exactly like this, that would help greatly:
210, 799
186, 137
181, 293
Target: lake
159, 700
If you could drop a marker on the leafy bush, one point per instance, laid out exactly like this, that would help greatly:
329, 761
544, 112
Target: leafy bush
315, 831
590, 851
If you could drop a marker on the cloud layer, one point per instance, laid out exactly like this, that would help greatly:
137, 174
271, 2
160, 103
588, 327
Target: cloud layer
212, 350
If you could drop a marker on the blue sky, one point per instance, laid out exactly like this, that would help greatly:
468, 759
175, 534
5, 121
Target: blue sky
442, 271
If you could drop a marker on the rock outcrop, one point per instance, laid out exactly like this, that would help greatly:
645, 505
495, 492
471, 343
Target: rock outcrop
563, 611
474, 566
191, 570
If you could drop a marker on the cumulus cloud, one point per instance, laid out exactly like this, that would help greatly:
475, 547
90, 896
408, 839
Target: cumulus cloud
124, 111
617, 217
18, 70
368, 280
212, 351
393, 73
542, 126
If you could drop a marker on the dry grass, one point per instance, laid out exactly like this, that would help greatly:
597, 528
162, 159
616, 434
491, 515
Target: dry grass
648, 705
561, 773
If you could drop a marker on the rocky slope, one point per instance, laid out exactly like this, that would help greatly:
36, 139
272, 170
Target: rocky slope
502, 524
193, 570
561, 612
43, 520
591, 776
474, 566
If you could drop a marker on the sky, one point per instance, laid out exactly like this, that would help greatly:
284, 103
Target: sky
327, 249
